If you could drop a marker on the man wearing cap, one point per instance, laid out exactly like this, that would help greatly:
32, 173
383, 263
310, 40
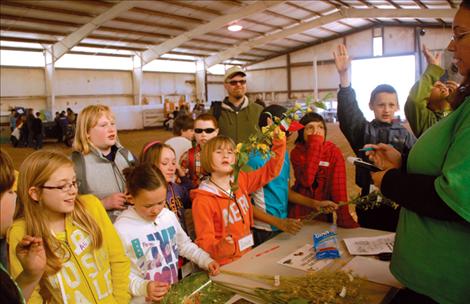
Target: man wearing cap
237, 116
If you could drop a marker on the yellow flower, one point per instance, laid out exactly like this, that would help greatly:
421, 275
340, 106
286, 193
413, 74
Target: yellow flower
297, 106
296, 117
262, 147
281, 135
309, 110
239, 147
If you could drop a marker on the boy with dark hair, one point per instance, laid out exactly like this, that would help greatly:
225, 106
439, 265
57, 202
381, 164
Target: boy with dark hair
358, 131
183, 129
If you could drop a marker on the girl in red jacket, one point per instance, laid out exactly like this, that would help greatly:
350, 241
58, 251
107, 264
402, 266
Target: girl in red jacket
223, 218
319, 170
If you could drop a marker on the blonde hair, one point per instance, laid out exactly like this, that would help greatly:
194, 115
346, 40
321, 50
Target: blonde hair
35, 171
211, 145
152, 152
87, 119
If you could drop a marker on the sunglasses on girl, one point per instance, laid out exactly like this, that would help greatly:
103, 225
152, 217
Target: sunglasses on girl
206, 130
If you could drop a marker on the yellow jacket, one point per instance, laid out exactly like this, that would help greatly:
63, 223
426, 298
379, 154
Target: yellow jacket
100, 276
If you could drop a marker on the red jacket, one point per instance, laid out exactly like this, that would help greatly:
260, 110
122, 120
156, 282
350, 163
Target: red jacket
216, 216
320, 173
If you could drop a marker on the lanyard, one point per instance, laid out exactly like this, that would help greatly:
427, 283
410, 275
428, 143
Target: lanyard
230, 196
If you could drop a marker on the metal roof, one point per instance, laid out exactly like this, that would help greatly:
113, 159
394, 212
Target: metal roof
192, 30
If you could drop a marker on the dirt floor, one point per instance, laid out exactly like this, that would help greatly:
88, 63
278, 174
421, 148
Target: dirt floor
134, 140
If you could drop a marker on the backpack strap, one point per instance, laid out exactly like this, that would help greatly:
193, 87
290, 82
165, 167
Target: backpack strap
79, 164
128, 156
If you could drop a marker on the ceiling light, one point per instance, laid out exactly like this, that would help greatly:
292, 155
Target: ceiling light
234, 27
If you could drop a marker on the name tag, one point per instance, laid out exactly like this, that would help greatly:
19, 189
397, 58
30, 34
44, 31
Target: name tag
324, 164
246, 242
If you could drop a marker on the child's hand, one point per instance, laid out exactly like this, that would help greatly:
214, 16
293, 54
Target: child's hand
430, 58
289, 225
342, 59
156, 291
227, 247
32, 256
214, 268
326, 206
115, 201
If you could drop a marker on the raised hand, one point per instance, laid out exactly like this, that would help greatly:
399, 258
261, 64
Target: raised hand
430, 58
342, 62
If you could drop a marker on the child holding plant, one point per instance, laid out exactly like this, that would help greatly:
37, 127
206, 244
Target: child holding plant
319, 170
153, 237
222, 211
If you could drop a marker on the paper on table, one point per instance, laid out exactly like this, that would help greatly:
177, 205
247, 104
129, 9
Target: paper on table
373, 270
304, 259
370, 245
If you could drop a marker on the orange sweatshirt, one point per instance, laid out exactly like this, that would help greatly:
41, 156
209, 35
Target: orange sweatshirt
216, 216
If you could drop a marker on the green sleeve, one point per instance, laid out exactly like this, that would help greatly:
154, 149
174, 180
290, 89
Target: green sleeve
417, 113
452, 184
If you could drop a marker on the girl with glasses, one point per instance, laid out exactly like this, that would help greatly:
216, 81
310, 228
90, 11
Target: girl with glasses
85, 257
222, 218
205, 128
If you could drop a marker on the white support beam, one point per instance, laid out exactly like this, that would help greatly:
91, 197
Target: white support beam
49, 71
200, 83
341, 14
156, 51
63, 46
137, 79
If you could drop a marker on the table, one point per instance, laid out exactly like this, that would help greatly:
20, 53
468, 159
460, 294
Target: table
267, 262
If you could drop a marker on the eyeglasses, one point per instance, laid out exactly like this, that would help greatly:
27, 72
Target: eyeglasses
235, 82
457, 37
64, 188
207, 130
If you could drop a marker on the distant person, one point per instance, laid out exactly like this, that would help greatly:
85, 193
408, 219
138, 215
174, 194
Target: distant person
12, 119
358, 131
29, 125
37, 132
71, 116
183, 131
236, 115
198, 110
428, 101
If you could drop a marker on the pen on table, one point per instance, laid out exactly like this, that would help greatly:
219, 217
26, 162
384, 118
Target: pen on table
267, 251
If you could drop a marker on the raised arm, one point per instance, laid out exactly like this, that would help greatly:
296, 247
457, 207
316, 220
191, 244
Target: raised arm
351, 119
419, 116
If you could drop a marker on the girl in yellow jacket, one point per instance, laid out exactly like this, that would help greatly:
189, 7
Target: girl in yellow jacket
86, 262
